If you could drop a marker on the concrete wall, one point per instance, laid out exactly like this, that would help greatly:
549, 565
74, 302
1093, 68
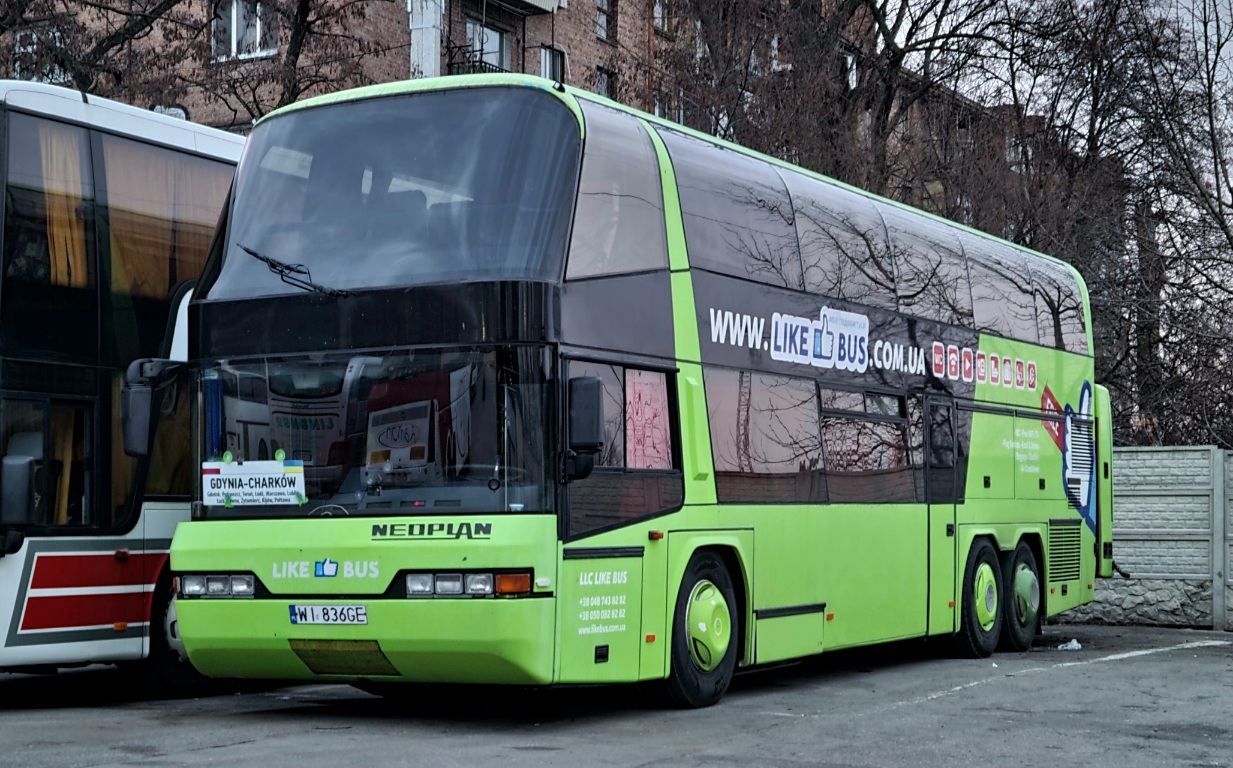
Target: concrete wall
1173, 536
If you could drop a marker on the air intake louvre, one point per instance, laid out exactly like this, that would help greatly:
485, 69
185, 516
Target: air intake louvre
1065, 547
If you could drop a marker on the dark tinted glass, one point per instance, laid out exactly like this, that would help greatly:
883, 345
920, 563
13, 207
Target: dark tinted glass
1001, 289
1060, 309
764, 437
468, 184
162, 207
636, 474
867, 461
423, 432
930, 272
738, 218
843, 243
619, 221
55, 438
49, 279
613, 377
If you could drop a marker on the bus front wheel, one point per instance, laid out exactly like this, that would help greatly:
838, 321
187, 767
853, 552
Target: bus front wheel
1021, 602
980, 622
167, 673
705, 634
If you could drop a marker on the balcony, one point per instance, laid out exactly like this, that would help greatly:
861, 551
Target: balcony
469, 66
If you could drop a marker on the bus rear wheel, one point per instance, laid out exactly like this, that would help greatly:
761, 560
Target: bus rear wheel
980, 621
705, 634
1021, 590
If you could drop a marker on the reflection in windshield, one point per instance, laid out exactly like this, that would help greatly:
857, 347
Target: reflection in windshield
407, 432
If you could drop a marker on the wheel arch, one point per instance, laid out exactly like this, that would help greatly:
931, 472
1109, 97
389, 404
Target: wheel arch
733, 553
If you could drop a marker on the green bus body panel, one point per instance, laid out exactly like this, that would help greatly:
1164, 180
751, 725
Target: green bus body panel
944, 569
497, 640
420, 640
1104, 479
600, 619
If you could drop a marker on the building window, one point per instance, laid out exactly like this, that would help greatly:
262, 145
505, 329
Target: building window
487, 45
243, 29
661, 16
31, 47
552, 63
851, 77
605, 19
603, 82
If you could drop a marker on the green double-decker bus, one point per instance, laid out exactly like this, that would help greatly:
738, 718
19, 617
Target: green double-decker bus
567, 393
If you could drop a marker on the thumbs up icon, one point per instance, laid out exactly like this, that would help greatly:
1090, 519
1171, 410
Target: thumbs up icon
823, 339
325, 568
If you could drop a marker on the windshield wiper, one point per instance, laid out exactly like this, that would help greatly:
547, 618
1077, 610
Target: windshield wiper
291, 273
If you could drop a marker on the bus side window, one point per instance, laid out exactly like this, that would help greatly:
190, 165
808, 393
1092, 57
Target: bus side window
843, 240
637, 473
1059, 307
161, 210
49, 265
619, 220
737, 213
931, 274
764, 438
54, 437
1002, 298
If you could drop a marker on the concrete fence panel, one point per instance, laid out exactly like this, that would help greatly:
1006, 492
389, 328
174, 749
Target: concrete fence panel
1172, 538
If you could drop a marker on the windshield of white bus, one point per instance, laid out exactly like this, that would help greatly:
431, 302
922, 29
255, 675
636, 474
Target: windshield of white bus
392, 433
461, 185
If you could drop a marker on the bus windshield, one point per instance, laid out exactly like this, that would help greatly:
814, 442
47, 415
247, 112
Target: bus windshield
400, 432
474, 184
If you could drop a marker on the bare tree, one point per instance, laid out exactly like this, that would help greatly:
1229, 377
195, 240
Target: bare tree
294, 48
98, 46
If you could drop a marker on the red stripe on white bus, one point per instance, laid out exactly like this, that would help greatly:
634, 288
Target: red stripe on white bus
66, 571
79, 611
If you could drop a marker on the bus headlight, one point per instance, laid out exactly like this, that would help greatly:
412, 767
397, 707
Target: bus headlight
479, 583
217, 585
419, 584
467, 584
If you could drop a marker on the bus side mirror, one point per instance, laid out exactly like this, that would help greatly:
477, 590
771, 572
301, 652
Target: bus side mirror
12, 542
17, 489
136, 398
586, 424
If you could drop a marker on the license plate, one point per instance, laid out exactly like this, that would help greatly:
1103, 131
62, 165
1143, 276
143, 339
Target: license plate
328, 614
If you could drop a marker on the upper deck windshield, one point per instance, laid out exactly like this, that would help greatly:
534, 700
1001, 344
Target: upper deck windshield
466, 184
402, 432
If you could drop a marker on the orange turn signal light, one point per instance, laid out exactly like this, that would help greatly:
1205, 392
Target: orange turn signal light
512, 583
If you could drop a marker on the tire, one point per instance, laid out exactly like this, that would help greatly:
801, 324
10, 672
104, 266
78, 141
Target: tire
166, 672
1020, 599
980, 621
705, 634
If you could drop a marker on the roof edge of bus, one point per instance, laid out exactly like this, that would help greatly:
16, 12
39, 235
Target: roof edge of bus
116, 116
425, 84
662, 122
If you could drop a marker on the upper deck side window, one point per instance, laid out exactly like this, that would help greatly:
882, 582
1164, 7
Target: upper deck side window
1001, 289
931, 274
1059, 306
737, 213
843, 243
49, 265
619, 217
